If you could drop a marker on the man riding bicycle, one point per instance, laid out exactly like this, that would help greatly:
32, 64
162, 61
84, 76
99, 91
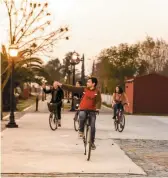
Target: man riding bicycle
119, 99
91, 100
57, 95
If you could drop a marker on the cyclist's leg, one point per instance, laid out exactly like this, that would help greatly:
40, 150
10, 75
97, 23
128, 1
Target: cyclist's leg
82, 117
93, 129
93, 121
59, 114
115, 110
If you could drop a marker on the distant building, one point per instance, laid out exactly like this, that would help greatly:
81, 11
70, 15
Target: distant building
147, 94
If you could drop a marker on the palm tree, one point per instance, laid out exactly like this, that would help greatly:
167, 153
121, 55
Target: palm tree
20, 63
25, 68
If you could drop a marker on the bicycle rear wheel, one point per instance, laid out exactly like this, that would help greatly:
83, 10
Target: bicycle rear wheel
53, 121
89, 143
121, 123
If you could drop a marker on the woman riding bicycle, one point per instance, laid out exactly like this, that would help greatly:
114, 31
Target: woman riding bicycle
119, 99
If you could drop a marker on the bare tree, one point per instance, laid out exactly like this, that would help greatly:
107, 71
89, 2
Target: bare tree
30, 30
30, 24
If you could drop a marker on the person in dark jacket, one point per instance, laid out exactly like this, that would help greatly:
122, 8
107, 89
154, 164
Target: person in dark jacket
77, 96
57, 95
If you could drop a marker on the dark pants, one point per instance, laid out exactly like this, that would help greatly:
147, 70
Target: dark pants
82, 119
116, 107
59, 106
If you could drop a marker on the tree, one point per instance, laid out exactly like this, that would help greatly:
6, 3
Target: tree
115, 63
29, 29
154, 53
31, 63
28, 26
55, 70
93, 68
165, 70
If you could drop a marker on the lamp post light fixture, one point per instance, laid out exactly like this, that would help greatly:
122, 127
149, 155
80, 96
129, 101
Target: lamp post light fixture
13, 53
43, 93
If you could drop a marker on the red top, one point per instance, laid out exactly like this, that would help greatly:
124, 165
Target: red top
88, 101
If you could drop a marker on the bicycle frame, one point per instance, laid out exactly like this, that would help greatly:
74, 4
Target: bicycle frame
119, 114
87, 126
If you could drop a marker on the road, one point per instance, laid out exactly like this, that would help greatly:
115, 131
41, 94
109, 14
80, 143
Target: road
34, 150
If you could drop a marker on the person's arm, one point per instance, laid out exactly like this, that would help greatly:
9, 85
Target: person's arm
113, 99
73, 89
62, 94
126, 99
98, 100
46, 91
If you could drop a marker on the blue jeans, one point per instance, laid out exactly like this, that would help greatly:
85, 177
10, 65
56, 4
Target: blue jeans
82, 119
116, 107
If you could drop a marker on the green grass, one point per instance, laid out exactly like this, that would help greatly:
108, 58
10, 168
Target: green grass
67, 106
23, 104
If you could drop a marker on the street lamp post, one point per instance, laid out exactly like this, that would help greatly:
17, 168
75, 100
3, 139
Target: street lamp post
74, 61
43, 93
69, 78
13, 53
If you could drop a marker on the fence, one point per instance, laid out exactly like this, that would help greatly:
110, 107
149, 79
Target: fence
106, 98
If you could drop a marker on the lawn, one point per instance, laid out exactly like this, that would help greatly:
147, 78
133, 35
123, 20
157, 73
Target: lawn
23, 104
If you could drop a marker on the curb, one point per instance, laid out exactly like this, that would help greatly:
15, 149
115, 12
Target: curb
28, 108
7, 116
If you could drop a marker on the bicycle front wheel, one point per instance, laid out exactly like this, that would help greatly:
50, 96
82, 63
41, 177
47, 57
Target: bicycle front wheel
53, 122
89, 143
85, 138
76, 123
115, 124
121, 123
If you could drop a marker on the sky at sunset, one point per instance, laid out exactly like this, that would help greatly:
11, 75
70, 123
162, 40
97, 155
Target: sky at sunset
98, 24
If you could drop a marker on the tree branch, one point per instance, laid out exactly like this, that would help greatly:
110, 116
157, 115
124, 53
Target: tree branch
23, 16
31, 24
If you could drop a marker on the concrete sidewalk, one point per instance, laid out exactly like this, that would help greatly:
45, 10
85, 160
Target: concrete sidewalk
34, 148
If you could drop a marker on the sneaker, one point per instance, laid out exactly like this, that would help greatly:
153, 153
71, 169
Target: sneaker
114, 117
93, 146
81, 134
59, 123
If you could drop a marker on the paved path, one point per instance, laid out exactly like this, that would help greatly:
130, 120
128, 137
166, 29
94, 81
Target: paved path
40, 150
34, 148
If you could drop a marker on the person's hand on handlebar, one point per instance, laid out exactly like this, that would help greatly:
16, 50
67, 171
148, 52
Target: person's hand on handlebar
97, 110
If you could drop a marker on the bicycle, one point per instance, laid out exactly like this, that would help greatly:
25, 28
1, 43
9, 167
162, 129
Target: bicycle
53, 117
119, 122
87, 133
